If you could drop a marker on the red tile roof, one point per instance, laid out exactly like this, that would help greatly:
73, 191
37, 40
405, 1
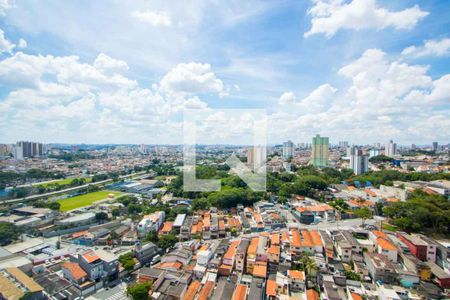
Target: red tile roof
90, 257
75, 270
240, 292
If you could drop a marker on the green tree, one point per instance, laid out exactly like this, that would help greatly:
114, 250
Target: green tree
363, 213
127, 261
152, 236
8, 233
115, 212
139, 291
54, 205
101, 216
167, 241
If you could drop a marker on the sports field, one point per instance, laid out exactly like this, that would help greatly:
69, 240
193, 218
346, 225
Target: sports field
85, 200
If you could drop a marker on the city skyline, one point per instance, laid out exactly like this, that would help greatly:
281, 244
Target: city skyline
87, 73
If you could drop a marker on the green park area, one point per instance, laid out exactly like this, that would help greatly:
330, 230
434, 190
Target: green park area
65, 181
85, 200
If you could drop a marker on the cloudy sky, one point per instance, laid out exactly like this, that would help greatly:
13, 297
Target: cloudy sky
123, 72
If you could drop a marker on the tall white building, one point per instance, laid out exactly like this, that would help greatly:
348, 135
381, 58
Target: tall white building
359, 162
288, 150
374, 152
390, 149
256, 156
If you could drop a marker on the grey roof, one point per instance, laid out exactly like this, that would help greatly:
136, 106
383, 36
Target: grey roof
224, 290
256, 289
179, 220
51, 282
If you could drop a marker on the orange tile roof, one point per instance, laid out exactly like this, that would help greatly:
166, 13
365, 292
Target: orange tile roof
296, 240
299, 275
206, 290
194, 229
75, 270
275, 239
274, 249
260, 269
167, 227
356, 296
271, 288
285, 237
79, 233
257, 217
307, 240
378, 234
90, 257
176, 265
231, 250
385, 244
253, 246
206, 221
221, 225
312, 295
316, 238
392, 199
364, 203
233, 222
240, 292
315, 208
192, 290
204, 247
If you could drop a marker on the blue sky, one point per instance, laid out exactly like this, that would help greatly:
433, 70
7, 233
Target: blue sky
122, 71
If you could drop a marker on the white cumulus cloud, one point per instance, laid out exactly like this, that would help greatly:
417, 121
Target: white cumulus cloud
191, 78
155, 18
429, 48
5, 45
22, 44
330, 16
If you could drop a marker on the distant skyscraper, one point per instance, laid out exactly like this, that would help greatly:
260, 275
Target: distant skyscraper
256, 156
374, 152
434, 146
413, 147
319, 152
343, 144
359, 163
390, 149
28, 149
288, 150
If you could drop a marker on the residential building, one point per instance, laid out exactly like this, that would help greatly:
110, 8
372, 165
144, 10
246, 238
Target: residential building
359, 162
256, 156
297, 281
15, 284
150, 222
390, 149
319, 152
241, 251
146, 252
380, 268
288, 150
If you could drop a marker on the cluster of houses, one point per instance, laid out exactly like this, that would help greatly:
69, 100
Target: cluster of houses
303, 264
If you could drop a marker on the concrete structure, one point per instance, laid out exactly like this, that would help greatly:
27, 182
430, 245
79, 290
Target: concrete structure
151, 222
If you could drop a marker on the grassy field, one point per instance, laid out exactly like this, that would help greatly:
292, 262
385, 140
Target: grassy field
84, 200
389, 227
60, 182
